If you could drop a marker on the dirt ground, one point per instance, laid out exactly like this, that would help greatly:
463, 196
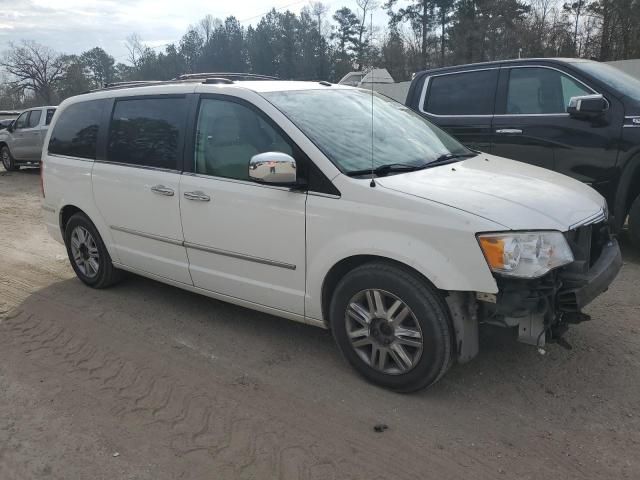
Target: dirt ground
146, 381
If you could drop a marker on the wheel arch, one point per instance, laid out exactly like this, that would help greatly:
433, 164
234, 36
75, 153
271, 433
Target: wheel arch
66, 213
344, 266
628, 189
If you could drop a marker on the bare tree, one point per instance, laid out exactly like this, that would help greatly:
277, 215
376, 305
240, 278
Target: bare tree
135, 48
365, 7
319, 10
206, 26
34, 67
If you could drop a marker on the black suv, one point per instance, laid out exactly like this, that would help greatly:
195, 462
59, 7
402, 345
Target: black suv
578, 117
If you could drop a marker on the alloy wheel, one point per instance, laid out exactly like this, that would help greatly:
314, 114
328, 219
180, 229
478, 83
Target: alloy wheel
6, 160
85, 251
383, 331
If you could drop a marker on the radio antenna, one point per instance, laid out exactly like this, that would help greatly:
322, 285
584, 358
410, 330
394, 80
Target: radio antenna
373, 182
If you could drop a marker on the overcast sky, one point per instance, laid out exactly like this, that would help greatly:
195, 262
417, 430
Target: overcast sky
73, 26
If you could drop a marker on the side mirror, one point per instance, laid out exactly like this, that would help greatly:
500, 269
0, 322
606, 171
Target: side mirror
10, 127
587, 106
274, 168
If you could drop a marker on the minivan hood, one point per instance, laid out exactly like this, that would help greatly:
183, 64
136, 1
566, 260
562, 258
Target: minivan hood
514, 194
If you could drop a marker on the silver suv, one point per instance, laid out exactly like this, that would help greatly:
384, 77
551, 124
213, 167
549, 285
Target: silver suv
21, 143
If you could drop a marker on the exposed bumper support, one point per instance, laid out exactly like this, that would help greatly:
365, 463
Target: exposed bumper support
464, 314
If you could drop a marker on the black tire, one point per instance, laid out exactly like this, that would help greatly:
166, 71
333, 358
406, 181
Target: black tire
428, 310
105, 274
634, 222
8, 162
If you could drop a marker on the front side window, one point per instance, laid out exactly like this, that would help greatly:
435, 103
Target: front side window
147, 132
34, 118
536, 90
22, 121
465, 93
339, 122
50, 112
228, 135
75, 134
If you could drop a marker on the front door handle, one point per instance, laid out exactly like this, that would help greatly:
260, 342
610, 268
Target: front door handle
513, 131
197, 196
162, 190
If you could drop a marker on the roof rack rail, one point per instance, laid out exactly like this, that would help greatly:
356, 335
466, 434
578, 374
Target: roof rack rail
210, 78
227, 75
131, 83
217, 80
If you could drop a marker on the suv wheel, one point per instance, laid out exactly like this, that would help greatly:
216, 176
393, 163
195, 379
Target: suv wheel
392, 327
88, 255
634, 222
8, 162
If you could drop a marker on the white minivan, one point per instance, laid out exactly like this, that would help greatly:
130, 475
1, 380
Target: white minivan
328, 205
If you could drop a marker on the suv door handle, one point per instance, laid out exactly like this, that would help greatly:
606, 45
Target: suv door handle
197, 196
162, 190
509, 130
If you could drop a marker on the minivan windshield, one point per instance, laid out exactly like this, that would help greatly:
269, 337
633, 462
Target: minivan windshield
616, 78
339, 122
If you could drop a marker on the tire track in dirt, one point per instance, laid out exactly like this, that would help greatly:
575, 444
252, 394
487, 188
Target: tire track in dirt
201, 425
242, 443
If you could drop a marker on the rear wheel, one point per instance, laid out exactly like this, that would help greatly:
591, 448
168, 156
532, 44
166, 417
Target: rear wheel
634, 222
392, 327
8, 162
87, 253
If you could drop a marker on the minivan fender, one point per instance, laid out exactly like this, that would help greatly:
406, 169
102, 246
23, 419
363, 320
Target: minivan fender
468, 272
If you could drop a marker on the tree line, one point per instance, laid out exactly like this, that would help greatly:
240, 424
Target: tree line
316, 44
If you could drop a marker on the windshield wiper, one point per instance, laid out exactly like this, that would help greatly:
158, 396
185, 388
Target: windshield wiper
386, 169
450, 158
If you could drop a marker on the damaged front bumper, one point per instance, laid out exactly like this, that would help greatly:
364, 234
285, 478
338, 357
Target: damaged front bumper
581, 288
540, 308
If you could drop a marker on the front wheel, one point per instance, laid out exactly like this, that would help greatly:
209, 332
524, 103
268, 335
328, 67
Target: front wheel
87, 253
8, 162
392, 326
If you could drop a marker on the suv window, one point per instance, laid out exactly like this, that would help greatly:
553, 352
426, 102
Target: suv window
147, 131
537, 90
34, 118
76, 132
465, 93
22, 121
228, 135
50, 113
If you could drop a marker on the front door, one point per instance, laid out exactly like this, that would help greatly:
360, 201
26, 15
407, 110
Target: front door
533, 126
33, 137
462, 103
244, 240
19, 138
137, 185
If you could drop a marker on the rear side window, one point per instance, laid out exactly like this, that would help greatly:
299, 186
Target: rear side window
34, 118
466, 93
75, 134
50, 113
147, 132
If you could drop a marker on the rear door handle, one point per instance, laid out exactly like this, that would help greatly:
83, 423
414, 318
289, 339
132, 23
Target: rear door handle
162, 190
197, 195
513, 131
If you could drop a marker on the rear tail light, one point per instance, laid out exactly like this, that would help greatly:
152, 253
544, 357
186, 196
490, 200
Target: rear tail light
42, 177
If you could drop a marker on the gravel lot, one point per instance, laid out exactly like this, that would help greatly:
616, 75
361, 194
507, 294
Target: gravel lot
145, 381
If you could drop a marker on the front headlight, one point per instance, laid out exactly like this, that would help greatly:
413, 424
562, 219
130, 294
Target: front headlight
525, 254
